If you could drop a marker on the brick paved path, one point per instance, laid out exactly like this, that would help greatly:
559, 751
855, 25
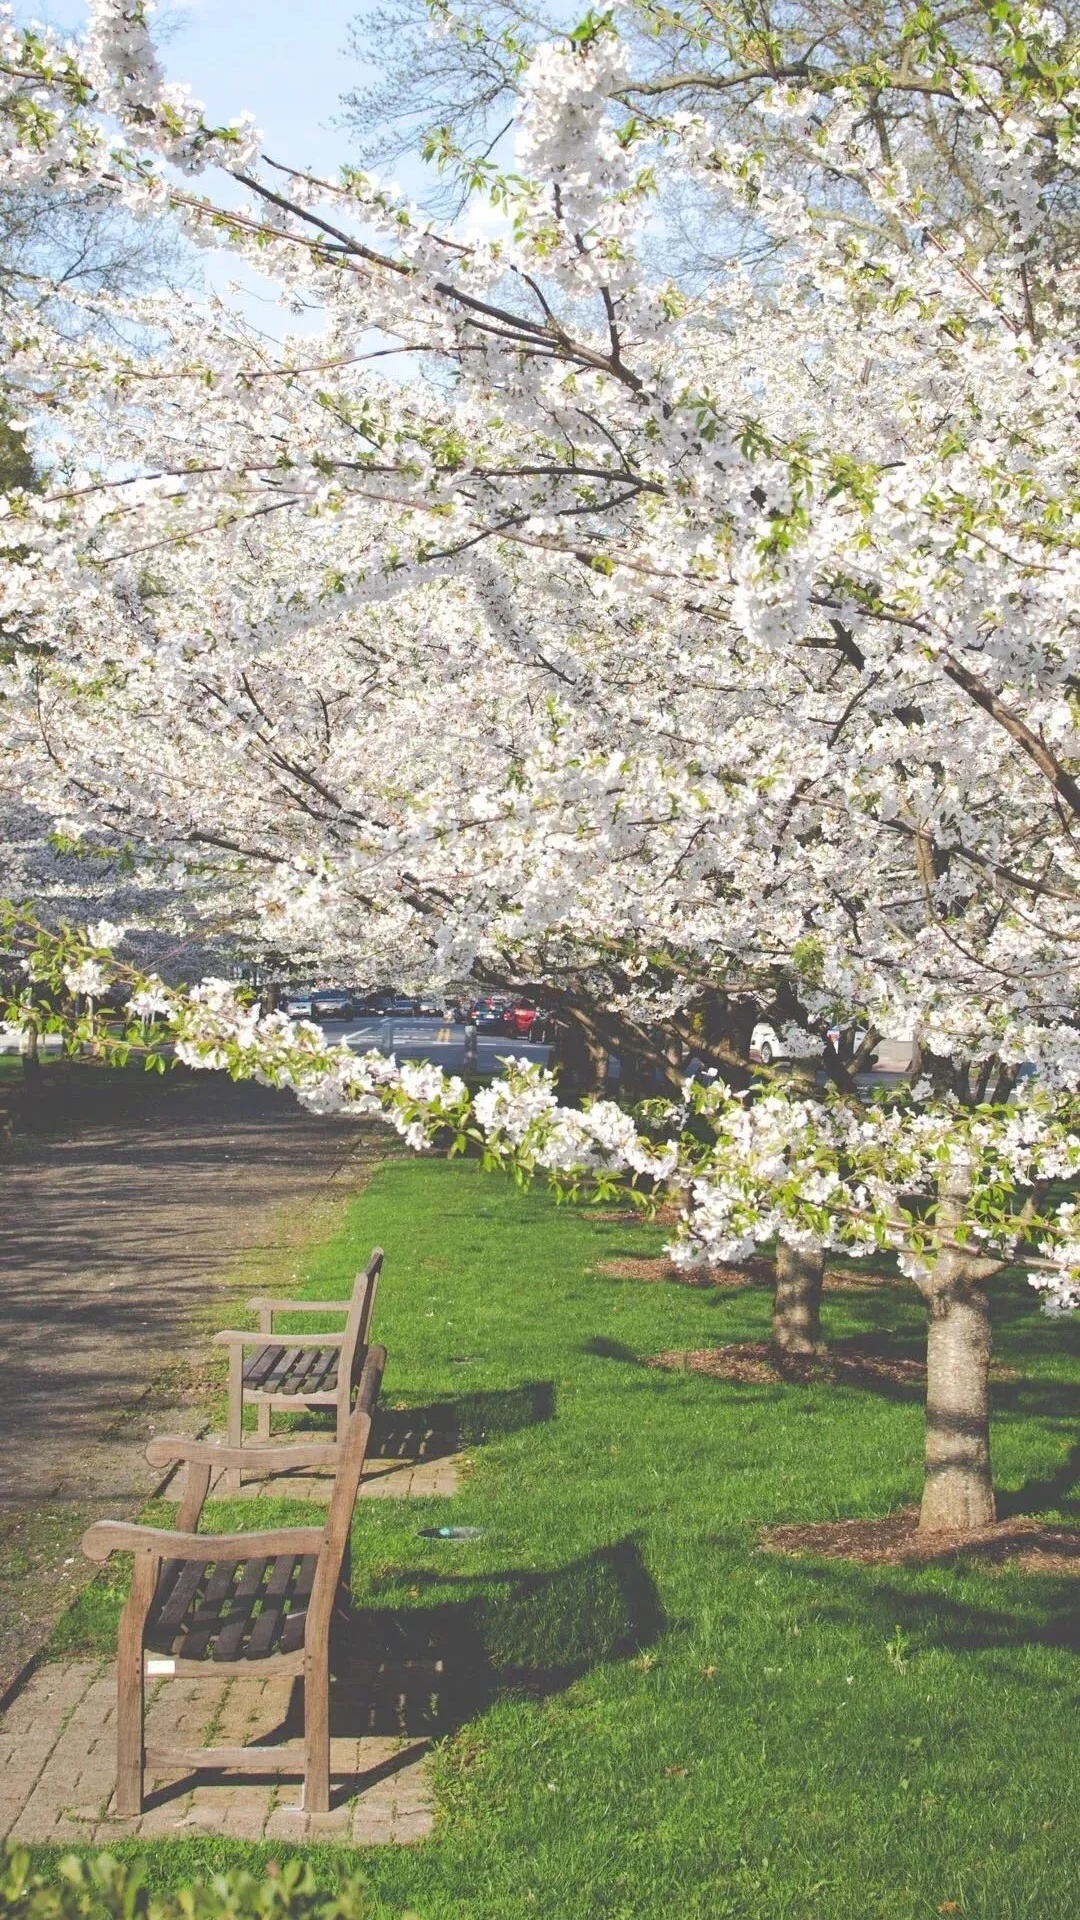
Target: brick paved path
58, 1764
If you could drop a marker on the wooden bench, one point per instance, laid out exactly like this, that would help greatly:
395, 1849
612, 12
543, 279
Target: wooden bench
298, 1369
237, 1603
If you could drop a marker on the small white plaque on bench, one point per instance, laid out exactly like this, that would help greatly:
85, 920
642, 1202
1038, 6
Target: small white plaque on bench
155, 1666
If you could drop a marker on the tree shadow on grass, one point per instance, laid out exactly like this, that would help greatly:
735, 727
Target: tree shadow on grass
888, 1364
1051, 1491
933, 1620
602, 1348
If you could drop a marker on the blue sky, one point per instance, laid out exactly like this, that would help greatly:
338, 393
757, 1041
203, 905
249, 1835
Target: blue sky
283, 60
286, 62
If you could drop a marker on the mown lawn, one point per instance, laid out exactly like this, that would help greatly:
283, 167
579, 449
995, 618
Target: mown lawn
646, 1716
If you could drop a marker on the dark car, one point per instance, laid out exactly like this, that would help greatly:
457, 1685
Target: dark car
371, 1005
331, 1006
385, 1004
488, 1015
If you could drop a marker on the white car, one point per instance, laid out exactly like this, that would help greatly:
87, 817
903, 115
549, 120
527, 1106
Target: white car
13, 1040
891, 1055
297, 1006
766, 1044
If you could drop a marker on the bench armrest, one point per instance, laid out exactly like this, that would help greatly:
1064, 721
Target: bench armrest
231, 1337
166, 1448
125, 1536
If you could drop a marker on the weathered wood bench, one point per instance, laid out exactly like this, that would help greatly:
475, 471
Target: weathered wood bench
298, 1369
236, 1603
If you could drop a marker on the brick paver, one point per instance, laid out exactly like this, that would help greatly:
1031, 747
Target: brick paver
382, 1480
58, 1764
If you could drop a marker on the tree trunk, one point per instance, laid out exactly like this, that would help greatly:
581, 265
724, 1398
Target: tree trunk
31, 1076
583, 1056
958, 1492
796, 1321
597, 1056
631, 1077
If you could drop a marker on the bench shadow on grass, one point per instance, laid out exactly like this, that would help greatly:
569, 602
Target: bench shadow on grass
442, 1427
429, 1668
419, 1672
468, 1420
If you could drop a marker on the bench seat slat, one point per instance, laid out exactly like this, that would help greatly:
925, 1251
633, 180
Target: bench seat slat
322, 1376
178, 1583
291, 1638
284, 1363
230, 1641
313, 1370
258, 1365
268, 1625
215, 1616
301, 1374
204, 1621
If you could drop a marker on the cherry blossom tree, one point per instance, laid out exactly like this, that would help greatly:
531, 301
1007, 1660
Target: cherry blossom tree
696, 645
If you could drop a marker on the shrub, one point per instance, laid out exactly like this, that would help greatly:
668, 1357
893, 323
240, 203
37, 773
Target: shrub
104, 1888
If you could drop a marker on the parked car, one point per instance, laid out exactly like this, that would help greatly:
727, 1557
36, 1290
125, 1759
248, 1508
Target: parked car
297, 1006
488, 1015
891, 1055
13, 1041
331, 1005
371, 1006
766, 1044
519, 1020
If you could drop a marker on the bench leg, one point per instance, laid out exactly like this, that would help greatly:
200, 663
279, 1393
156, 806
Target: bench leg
236, 1413
129, 1688
317, 1733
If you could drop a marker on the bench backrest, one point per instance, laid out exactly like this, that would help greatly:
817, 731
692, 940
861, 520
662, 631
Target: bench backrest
358, 1323
346, 1486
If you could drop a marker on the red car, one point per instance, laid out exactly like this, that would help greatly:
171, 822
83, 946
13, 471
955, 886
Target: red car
519, 1021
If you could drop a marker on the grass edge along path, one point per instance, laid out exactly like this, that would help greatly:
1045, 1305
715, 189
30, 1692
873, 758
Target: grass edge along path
647, 1716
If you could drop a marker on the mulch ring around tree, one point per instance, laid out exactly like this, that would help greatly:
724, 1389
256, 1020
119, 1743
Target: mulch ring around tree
753, 1273
1020, 1545
751, 1363
847, 1363
756, 1273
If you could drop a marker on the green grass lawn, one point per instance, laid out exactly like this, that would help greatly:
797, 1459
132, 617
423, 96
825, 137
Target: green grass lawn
644, 1715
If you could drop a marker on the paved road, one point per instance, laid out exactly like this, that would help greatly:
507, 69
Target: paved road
444, 1044
109, 1244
